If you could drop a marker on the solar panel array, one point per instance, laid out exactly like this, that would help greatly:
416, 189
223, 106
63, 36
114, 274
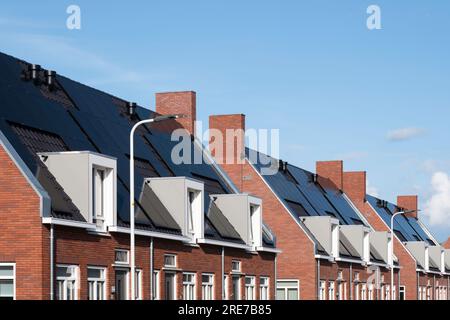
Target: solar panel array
96, 122
300, 192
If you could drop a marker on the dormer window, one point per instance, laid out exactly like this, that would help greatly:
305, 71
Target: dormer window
191, 211
250, 232
99, 196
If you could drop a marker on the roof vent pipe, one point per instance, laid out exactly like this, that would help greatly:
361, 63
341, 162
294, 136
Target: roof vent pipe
131, 108
34, 72
50, 78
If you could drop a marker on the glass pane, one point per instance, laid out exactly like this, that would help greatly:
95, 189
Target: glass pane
292, 294
122, 256
6, 288
6, 271
281, 294
94, 273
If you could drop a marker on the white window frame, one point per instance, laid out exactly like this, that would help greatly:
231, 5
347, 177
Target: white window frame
342, 290
363, 291
239, 297
138, 284
286, 288
331, 290
175, 281
402, 290
169, 255
66, 280
208, 286
370, 291
189, 285
124, 263
322, 290
13, 278
226, 287
250, 288
264, 288
156, 294
238, 264
96, 281
357, 291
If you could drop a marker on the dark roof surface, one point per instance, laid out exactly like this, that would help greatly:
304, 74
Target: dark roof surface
75, 117
406, 228
302, 195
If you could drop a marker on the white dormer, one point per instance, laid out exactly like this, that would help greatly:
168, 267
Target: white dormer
447, 259
326, 231
437, 257
90, 180
358, 238
380, 243
183, 197
419, 250
244, 212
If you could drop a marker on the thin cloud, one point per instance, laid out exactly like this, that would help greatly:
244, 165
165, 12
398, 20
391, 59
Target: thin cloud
371, 190
437, 208
404, 134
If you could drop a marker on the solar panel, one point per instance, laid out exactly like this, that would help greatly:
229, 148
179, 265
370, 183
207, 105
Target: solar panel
297, 208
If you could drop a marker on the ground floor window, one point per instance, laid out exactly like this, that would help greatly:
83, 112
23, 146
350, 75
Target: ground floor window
155, 285
250, 288
331, 290
363, 291
138, 284
402, 293
357, 291
207, 287
322, 290
264, 288
236, 288
226, 293
170, 286
7, 281
96, 283
188, 286
370, 291
342, 291
66, 282
288, 290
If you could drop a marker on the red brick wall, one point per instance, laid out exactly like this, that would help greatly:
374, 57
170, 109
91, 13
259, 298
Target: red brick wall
446, 244
23, 240
408, 203
75, 246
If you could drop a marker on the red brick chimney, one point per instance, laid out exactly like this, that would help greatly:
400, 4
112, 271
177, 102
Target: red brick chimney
182, 103
354, 186
330, 173
408, 203
446, 244
227, 144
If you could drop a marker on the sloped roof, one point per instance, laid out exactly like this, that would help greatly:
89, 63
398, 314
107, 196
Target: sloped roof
406, 228
304, 197
76, 117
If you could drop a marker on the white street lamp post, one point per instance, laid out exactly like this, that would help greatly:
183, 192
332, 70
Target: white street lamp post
132, 203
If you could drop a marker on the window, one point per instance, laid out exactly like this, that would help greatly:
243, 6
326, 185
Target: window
66, 282
155, 284
363, 291
96, 283
235, 266
402, 293
287, 290
188, 286
264, 288
331, 291
249, 288
207, 287
226, 292
357, 291
138, 284
170, 261
429, 292
342, 291
394, 293
7, 282
191, 198
98, 196
121, 256
169, 286
370, 291
250, 225
322, 290
387, 294
236, 289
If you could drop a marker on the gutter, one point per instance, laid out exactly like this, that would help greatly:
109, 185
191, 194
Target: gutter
68, 223
150, 234
224, 244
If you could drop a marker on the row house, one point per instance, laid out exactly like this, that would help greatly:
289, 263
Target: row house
329, 249
329, 227
64, 201
425, 264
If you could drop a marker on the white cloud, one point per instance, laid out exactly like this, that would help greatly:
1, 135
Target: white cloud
404, 134
437, 208
371, 190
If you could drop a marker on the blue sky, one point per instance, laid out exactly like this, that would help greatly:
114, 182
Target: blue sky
377, 99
